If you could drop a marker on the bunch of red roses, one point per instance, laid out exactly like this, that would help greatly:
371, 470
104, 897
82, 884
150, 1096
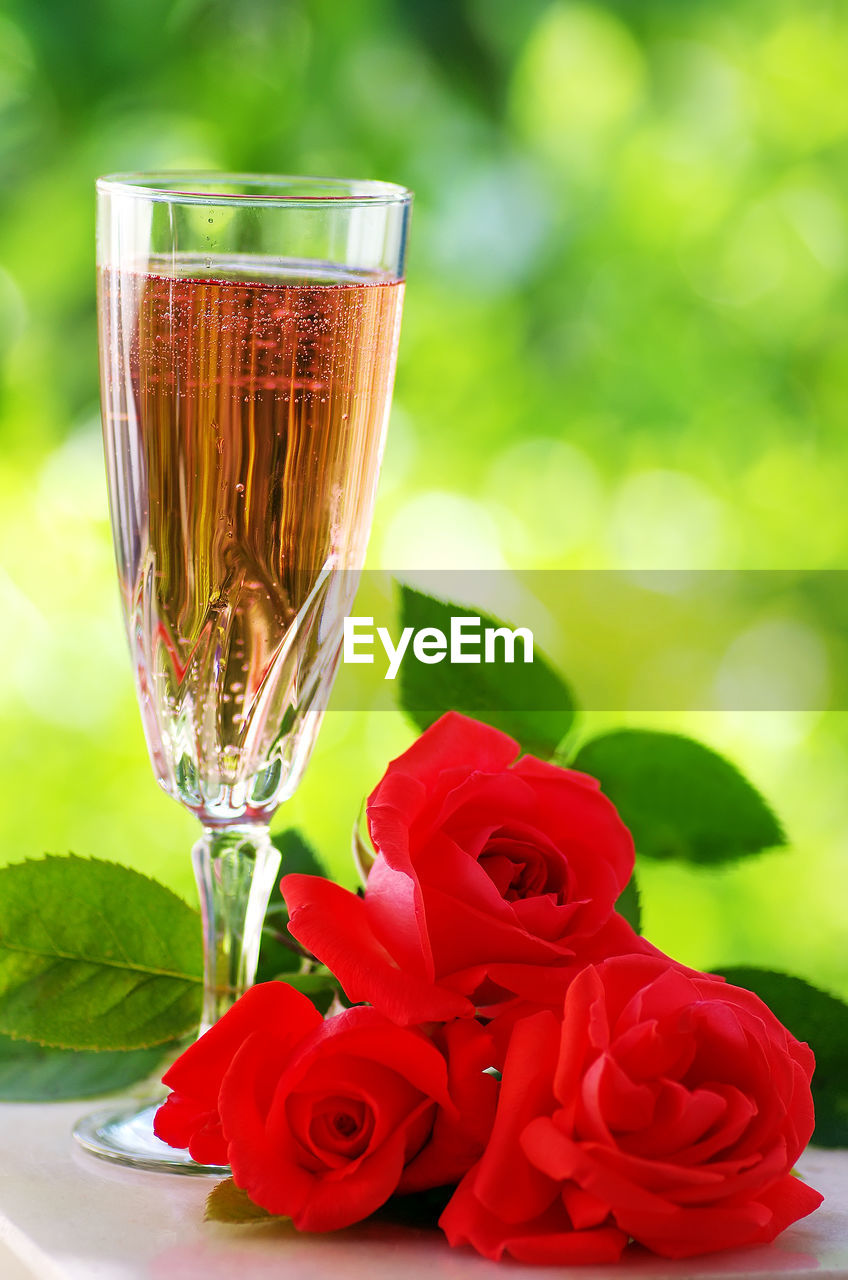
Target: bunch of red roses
519, 1042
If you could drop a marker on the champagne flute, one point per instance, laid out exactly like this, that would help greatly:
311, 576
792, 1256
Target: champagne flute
248, 333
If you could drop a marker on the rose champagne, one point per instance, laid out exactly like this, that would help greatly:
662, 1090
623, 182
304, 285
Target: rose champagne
245, 413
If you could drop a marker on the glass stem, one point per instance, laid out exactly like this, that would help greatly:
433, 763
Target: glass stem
235, 868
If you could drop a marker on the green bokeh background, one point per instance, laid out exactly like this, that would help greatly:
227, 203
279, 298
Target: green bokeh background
625, 345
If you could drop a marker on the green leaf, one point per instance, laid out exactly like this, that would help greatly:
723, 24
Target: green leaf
95, 956
315, 983
297, 854
529, 701
279, 953
822, 1021
679, 798
228, 1203
629, 904
33, 1073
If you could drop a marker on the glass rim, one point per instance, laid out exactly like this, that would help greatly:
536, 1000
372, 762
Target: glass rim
175, 187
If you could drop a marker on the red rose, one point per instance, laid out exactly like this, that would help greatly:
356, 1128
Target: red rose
492, 874
189, 1116
663, 1106
361, 1109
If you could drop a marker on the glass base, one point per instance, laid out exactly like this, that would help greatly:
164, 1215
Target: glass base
125, 1135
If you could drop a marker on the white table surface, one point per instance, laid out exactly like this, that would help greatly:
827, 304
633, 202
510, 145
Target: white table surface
68, 1216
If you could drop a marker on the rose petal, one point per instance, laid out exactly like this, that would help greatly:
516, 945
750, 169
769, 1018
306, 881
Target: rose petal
269, 1005
546, 1239
366, 1033
542, 985
683, 1233
454, 741
340, 1202
545, 917
580, 819
182, 1123
609, 1100
684, 1116
648, 1052
532, 767
334, 925
189, 1117
444, 864
457, 1141
482, 803
584, 1210
395, 909
268, 1168
462, 935
508, 1184
584, 1032
554, 1153
788, 1199
388, 1097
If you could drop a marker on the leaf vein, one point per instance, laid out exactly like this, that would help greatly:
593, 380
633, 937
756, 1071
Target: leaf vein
104, 962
